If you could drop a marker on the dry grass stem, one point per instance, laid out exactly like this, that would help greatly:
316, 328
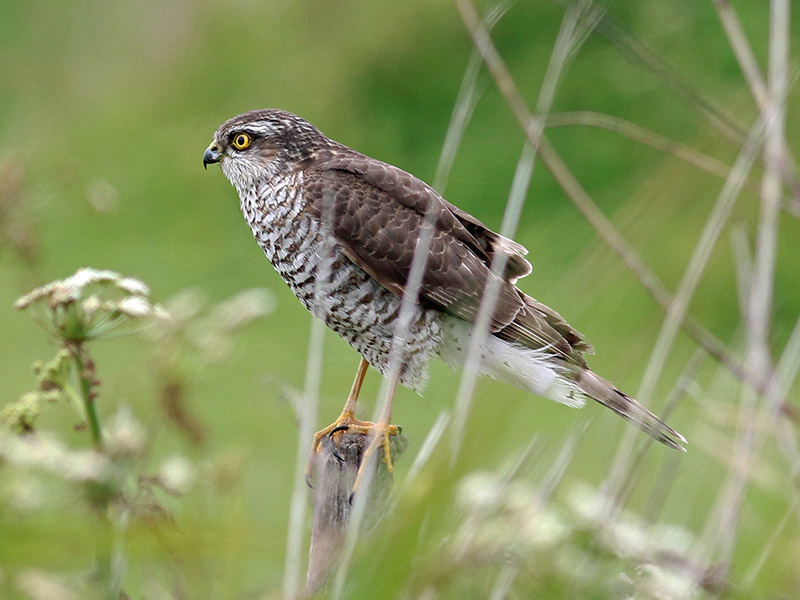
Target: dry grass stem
505, 580
750, 576
639, 53
741, 49
721, 531
743, 259
631, 469
574, 29
308, 417
678, 307
575, 192
383, 407
770, 126
555, 474
755, 81
428, 446
468, 95
297, 508
694, 157
693, 96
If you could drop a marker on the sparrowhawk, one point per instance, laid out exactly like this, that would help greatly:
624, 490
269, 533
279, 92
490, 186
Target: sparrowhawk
342, 228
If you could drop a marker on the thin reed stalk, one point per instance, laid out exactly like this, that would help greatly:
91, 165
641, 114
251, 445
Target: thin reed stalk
737, 40
575, 27
307, 416
721, 532
678, 307
580, 198
689, 155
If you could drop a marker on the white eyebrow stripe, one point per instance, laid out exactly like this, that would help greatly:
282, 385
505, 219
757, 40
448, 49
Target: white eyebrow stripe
257, 129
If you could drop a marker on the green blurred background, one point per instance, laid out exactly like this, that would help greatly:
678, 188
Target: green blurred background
113, 103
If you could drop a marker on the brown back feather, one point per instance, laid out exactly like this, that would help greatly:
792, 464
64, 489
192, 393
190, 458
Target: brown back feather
378, 213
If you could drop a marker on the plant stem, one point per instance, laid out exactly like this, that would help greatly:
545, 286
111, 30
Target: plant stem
84, 367
104, 531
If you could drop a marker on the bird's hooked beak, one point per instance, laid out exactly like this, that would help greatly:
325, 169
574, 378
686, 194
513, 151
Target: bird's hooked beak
212, 155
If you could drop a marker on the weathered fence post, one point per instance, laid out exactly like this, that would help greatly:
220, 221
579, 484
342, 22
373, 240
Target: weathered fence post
334, 475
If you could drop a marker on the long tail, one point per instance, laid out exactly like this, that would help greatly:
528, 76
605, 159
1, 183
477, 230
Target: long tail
629, 409
536, 371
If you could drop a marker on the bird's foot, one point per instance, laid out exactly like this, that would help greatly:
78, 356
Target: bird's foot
348, 422
379, 437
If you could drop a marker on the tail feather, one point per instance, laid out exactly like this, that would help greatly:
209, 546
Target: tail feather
540, 372
629, 409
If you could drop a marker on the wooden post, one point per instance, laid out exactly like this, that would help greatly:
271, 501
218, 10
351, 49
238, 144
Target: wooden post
335, 472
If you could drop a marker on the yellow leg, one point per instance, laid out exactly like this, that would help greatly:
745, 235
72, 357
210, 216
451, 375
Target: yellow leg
347, 421
379, 434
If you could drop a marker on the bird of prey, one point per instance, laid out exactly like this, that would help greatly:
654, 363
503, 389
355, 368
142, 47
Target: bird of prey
341, 229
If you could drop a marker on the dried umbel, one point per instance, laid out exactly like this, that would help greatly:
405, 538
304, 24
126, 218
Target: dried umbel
91, 304
88, 305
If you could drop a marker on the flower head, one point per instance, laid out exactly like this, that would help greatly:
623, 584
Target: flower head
89, 304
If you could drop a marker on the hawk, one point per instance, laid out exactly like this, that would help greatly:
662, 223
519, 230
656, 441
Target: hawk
341, 229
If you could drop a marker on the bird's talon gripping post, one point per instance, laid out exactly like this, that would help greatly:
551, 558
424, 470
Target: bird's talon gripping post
346, 421
338, 429
379, 437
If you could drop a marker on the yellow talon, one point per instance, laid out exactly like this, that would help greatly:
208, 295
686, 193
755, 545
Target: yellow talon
348, 422
378, 432
379, 436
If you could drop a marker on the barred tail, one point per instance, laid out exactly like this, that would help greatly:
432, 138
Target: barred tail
629, 409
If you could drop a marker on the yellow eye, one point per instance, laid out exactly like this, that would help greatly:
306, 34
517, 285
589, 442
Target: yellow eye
241, 141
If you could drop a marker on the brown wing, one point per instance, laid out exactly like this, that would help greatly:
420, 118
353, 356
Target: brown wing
416, 194
378, 212
492, 243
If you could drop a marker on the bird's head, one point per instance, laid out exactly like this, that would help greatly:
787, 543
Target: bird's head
257, 145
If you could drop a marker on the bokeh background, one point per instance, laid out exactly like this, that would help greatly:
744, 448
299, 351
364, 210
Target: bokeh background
105, 111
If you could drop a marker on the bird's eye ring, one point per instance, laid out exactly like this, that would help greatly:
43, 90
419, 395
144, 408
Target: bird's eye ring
241, 141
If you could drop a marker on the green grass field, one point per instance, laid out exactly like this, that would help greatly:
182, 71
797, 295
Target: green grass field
105, 113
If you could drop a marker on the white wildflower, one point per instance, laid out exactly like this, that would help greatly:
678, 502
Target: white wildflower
47, 453
176, 474
134, 306
133, 286
35, 294
627, 537
478, 491
161, 313
213, 343
24, 493
671, 539
40, 585
543, 528
91, 305
75, 313
590, 505
665, 584
70, 289
125, 436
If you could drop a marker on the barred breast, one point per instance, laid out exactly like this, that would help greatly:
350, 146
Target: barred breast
331, 286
